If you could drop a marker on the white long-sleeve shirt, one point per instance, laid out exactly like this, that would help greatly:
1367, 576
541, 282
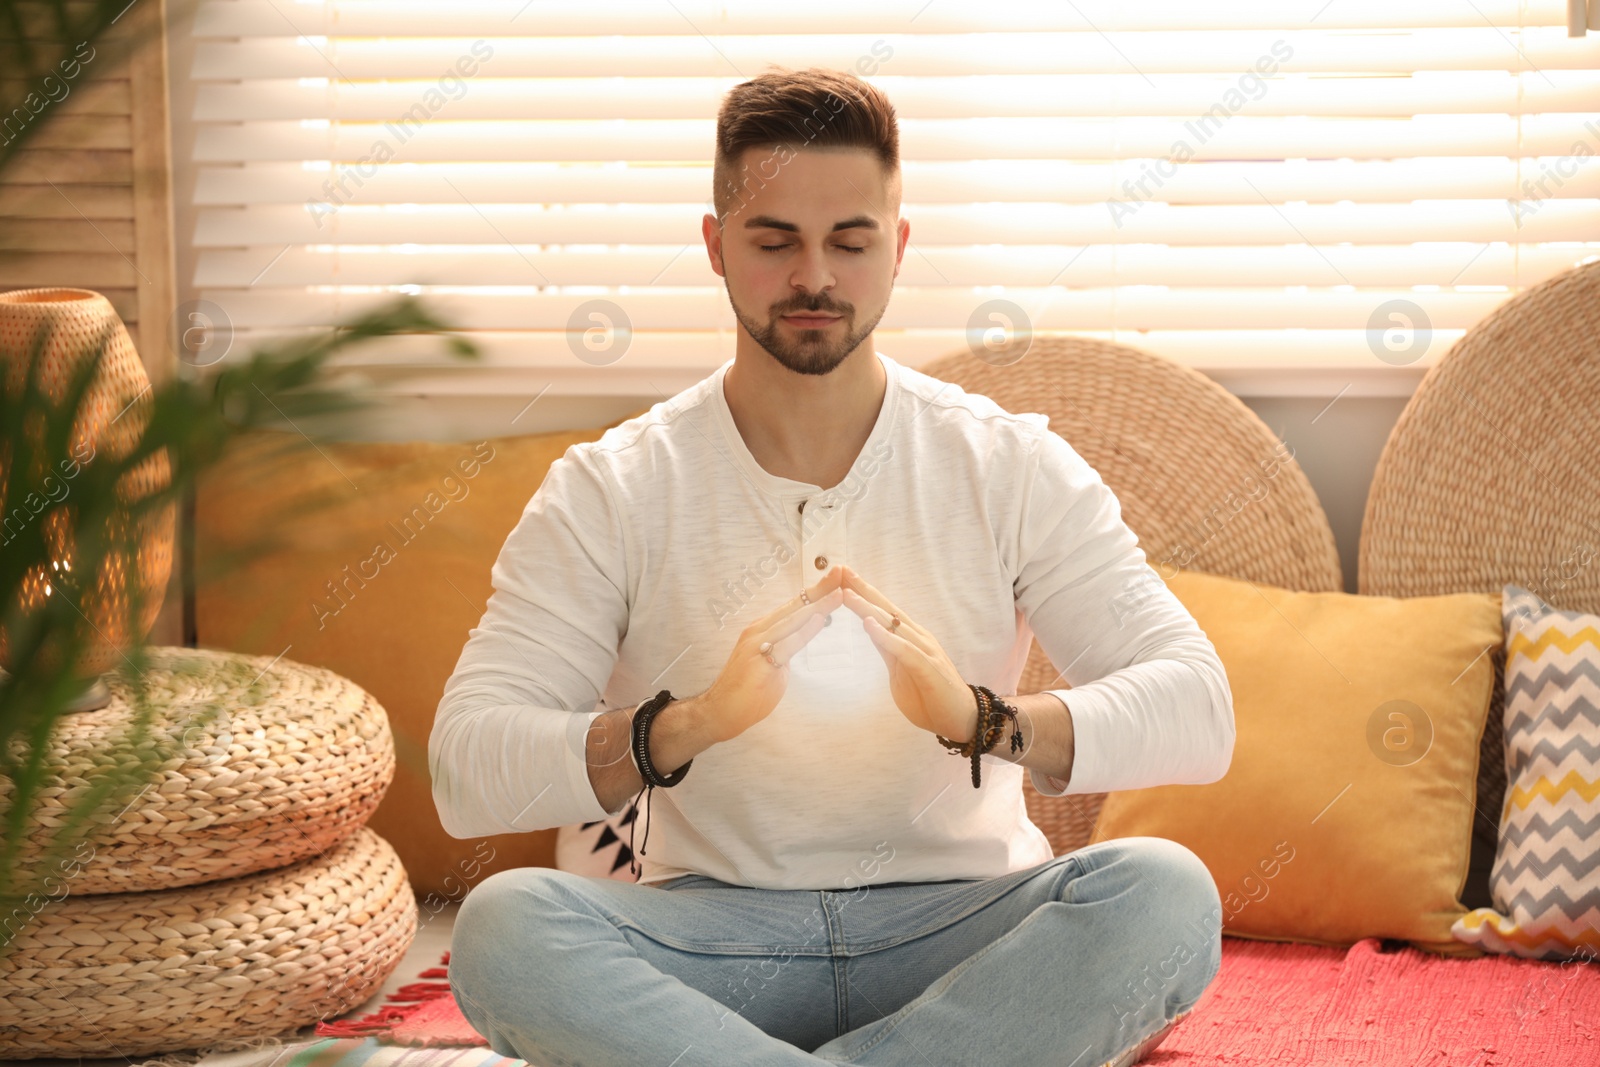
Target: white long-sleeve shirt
644, 554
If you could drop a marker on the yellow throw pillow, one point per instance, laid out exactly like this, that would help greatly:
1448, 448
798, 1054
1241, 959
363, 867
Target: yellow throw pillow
1347, 810
380, 583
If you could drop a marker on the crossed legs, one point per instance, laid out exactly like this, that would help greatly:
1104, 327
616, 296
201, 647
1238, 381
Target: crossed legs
1087, 959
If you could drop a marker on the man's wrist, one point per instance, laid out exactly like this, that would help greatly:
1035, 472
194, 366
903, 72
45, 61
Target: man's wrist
974, 727
969, 729
678, 734
1048, 738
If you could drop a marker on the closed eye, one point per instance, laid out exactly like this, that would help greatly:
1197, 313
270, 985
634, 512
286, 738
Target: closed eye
848, 248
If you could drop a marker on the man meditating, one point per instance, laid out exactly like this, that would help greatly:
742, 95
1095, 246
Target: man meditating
805, 589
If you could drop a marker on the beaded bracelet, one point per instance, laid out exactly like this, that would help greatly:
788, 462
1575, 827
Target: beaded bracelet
992, 715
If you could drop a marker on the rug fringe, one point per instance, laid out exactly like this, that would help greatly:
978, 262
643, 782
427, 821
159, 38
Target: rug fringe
402, 1004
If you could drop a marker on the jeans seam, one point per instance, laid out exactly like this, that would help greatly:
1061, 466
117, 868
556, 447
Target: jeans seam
894, 942
1123, 1051
906, 1011
838, 956
622, 921
701, 949
1176, 1018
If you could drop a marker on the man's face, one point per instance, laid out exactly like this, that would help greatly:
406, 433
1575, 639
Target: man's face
810, 232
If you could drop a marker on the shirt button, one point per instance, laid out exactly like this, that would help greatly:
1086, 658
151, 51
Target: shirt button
822, 563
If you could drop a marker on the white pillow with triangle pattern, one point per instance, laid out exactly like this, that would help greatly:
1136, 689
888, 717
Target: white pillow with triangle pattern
599, 849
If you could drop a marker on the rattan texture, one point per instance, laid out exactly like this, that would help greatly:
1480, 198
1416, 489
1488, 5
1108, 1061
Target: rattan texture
268, 761
1492, 475
110, 423
131, 974
1202, 481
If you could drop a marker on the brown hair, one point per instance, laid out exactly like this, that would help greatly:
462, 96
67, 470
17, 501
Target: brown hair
790, 110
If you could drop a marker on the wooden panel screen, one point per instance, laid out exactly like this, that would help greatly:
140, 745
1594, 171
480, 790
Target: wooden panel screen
87, 202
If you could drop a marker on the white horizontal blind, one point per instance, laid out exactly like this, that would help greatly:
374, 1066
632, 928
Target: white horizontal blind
1341, 185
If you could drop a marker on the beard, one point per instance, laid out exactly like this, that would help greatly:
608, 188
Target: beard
808, 351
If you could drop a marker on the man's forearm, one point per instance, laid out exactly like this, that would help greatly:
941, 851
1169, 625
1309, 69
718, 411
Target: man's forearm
1047, 737
677, 735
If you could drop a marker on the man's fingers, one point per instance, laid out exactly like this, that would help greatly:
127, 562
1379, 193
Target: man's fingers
907, 630
868, 595
890, 655
905, 652
834, 579
819, 607
794, 605
889, 643
784, 649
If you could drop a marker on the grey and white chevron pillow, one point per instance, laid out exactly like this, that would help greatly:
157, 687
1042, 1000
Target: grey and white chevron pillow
1546, 877
600, 848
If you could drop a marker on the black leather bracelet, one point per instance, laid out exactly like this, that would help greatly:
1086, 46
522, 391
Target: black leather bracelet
641, 743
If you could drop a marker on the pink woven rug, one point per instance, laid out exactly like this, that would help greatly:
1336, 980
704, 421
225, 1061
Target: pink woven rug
421, 1014
1273, 1003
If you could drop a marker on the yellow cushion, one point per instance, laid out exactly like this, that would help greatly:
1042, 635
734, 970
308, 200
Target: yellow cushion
1347, 810
392, 619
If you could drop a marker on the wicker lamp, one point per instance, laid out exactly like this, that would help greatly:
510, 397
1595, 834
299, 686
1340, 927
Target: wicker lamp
73, 322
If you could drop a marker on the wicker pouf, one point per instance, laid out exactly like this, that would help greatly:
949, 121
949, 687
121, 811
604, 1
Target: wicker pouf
126, 974
270, 761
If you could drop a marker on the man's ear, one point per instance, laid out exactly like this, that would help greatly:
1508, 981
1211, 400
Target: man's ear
711, 233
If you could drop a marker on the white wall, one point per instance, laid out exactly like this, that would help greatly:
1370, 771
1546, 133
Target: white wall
1337, 445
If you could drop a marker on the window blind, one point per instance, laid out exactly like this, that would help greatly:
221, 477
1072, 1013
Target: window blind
1337, 186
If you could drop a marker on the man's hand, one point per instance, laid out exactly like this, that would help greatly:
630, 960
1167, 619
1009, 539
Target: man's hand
927, 688
750, 685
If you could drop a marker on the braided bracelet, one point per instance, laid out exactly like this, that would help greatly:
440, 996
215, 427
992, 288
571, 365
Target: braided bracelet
992, 714
641, 743
643, 716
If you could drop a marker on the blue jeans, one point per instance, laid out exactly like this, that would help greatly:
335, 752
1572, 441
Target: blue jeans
1084, 960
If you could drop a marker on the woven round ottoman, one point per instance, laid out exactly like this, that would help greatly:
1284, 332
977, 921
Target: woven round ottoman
270, 761
127, 974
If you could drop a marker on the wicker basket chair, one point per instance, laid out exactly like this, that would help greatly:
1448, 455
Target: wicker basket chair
1492, 476
1174, 446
